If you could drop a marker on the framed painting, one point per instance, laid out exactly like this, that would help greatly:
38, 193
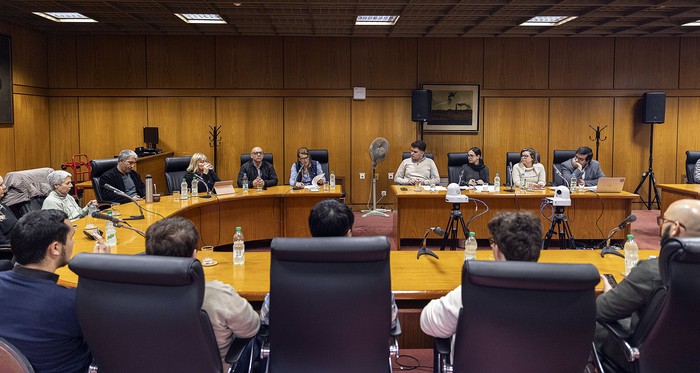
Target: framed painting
454, 108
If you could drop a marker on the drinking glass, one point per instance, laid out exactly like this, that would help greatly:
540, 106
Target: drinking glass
207, 253
115, 211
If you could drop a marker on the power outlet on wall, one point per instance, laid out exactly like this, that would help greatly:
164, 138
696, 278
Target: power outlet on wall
383, 193
391, 176
362, 175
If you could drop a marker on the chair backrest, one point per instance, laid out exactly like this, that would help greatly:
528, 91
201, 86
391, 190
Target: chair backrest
525, 317
330, 303
514, 158
321, 156
455, 161
175, 170
12, 360
245, 157
691, 157
23, 208
100, 166
667, 341
560, 156
142, 313
405, 155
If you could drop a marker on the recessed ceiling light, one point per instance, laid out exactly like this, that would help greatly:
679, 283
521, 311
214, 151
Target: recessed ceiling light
376, 20
694, 23
547, 20
65, 16
201, 18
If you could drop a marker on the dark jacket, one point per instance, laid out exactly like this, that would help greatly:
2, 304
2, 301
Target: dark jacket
114, 178
210, 178
7, 222
268, 173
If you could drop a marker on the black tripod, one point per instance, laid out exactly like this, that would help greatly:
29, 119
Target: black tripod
652, 180
456, 219
566, 239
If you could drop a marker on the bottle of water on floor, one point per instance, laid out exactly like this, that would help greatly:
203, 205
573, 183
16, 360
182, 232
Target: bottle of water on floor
470, 247
631, 254
238, 247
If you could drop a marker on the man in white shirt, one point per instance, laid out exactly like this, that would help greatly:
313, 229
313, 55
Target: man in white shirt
417, 169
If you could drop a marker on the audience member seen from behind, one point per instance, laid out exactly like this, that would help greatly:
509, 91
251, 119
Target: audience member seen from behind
582, 165
417, 169
696, 172
200, 166
474, 172
628, 300
124, 178
529, 169
7, 218
38, 315
305, 169
60, 198
230, 314
260, 173
516, 236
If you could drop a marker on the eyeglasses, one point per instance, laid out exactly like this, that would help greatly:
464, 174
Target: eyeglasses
256, 153
525, 156
471, 155
660, 221
303, 158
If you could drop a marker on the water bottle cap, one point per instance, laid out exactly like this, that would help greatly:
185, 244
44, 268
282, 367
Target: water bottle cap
630, 236
497, 174
472, 234
238, 228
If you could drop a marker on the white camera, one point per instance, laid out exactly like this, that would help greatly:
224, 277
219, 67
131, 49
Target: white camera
561, 197
454, 194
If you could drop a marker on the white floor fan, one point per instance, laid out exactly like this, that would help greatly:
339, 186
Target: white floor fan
377, 153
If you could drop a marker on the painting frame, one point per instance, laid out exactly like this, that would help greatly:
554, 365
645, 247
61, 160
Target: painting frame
446, 113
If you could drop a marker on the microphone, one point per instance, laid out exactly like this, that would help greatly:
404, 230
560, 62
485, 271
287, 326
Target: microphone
99, 215
120, 193
205, 185
461, 174
558, 172
510, 172
628, 220
423, 249
612, 249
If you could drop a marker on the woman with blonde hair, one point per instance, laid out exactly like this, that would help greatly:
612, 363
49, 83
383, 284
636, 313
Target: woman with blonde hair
200, 166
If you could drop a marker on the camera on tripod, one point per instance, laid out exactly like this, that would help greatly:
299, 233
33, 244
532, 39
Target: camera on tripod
562, 197
454, 194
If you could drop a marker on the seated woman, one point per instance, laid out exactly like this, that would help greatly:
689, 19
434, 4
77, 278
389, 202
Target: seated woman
529, 170
7, 218
305, 169
475, 171
60, 199
200, 166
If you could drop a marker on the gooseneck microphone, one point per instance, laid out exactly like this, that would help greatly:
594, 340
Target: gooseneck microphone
558, 173
612, 249
423, 249
121, 193
99, 215
205, 185
510, 173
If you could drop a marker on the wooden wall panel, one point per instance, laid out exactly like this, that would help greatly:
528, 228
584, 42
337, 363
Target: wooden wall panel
516, 63
111, 61
249, 62
379, 117
7, 144
64, 128
62, 70
569, 120
646, 63
316, 63
110, 125
688, 123
317, 123
581, 63
32, 148
450, 60
28, 57
246, 123
442, 143
384, 63
512, 124
180, 61
690, 64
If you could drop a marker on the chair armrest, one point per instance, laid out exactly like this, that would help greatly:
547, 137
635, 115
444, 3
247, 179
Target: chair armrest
396, 330
443, 345
620, 335
236, 349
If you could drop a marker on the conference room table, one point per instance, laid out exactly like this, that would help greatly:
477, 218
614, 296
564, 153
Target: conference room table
673, 192
591, 215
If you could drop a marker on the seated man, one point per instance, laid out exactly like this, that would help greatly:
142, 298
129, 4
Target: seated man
417, 169
124, 178
625, 302
230, 314
7, 219
516, 236
38, 315
260, 173
582, 165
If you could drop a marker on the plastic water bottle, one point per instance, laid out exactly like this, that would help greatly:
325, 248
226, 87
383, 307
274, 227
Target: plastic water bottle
244, 182
331, 181
183, 189
238, 247
110, 231
470, 247
195, 187
522, 181
497, 183
572, 184
631, 254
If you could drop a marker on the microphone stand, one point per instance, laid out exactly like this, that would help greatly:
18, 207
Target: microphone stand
120, 193
423, 249
130, 228
205, 185
510, 172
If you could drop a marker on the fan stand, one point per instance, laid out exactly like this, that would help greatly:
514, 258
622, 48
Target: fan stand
374, 211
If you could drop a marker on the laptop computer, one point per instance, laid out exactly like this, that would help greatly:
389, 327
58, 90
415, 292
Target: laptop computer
223, 188
610, 184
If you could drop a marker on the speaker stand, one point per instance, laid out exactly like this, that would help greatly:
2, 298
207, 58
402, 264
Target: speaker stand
652, 179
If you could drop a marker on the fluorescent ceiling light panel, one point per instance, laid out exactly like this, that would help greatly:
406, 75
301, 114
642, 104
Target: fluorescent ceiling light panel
376, 20
695, 23
547, 20
201, 18
65, 16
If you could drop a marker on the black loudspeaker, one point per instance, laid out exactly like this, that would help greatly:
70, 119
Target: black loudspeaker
420, 105
654, 107
6, 111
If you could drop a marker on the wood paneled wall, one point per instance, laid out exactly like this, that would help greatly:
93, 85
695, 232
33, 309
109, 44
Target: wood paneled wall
93, 94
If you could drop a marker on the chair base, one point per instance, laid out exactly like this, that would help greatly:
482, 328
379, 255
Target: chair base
376, 212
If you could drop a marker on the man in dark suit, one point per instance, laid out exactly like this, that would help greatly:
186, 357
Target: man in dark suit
124, 178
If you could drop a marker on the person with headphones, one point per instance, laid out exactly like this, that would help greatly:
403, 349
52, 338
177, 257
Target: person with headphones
529, 169
583, 167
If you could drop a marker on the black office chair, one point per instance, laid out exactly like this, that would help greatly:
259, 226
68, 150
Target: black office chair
665, 339
405, 155
175, 170
523, 317
245, 157
6, 265
321, 156
100, 166
455, 161
691, 157
514, 158
22, 208
330, 305
142, 313
560, 156
12, 360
